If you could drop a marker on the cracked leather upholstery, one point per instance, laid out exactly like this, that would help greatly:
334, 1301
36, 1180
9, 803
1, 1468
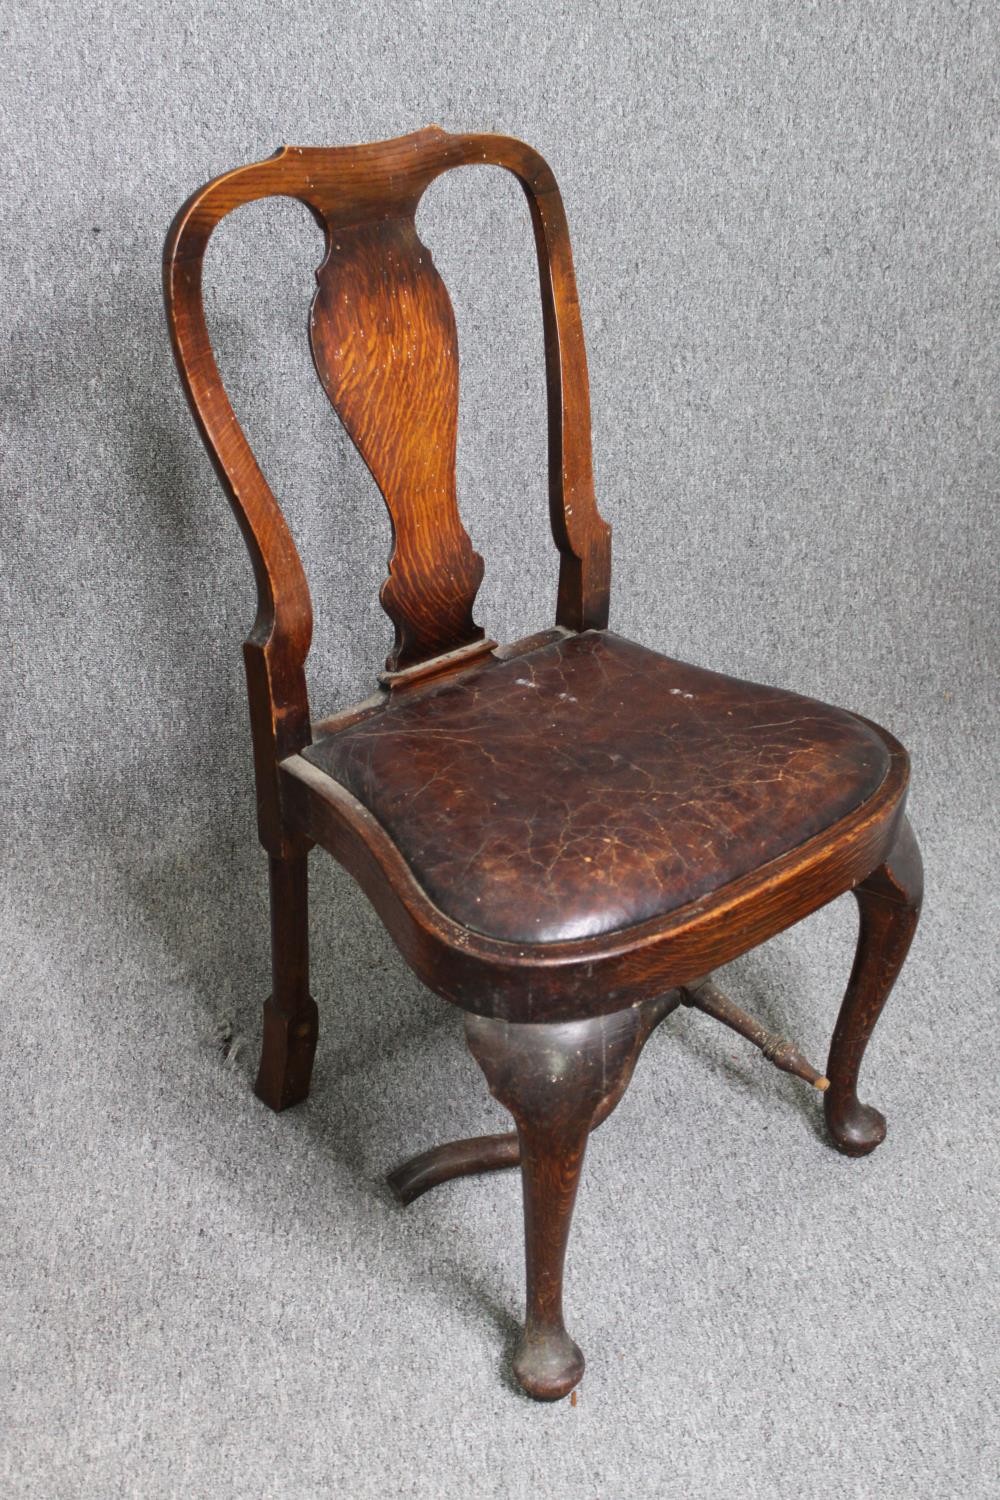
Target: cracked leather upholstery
592, 784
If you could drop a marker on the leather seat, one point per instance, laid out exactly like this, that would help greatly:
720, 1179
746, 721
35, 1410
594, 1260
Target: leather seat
592, 784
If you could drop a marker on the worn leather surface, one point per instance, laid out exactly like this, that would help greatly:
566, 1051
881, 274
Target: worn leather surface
593, 784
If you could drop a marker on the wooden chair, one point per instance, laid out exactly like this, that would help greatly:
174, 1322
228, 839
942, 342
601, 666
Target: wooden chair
563, 836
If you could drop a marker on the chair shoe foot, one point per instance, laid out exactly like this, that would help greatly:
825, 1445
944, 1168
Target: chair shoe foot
548, 1364
287, 1055
858, 1130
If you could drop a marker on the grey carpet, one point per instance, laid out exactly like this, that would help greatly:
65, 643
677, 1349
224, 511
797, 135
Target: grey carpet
784, 220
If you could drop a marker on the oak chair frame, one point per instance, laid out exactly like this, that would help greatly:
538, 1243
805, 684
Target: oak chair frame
590, 1003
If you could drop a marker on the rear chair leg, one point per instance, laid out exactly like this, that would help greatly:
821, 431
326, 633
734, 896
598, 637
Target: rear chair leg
556, 1080
889, 901
291, 1019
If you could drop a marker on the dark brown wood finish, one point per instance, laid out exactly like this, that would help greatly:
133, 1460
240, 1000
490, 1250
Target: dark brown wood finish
706, 996
466, 1158
492, 1153
291, 1016
565, 835
558, 1081
889, 901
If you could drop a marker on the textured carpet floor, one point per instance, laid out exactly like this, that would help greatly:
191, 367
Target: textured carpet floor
202, 1298
784, 222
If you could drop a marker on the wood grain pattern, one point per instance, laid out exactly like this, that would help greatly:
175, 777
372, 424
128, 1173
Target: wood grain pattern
558, 834
556, 1080
779, 1050
889, 902
493, 1153
386, 347
364, 198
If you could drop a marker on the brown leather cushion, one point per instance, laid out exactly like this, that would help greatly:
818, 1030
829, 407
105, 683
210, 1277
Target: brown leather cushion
592, 784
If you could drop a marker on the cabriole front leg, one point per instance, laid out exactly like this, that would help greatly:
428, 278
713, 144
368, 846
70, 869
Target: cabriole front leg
291, 1018
556, 1081
889, 903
